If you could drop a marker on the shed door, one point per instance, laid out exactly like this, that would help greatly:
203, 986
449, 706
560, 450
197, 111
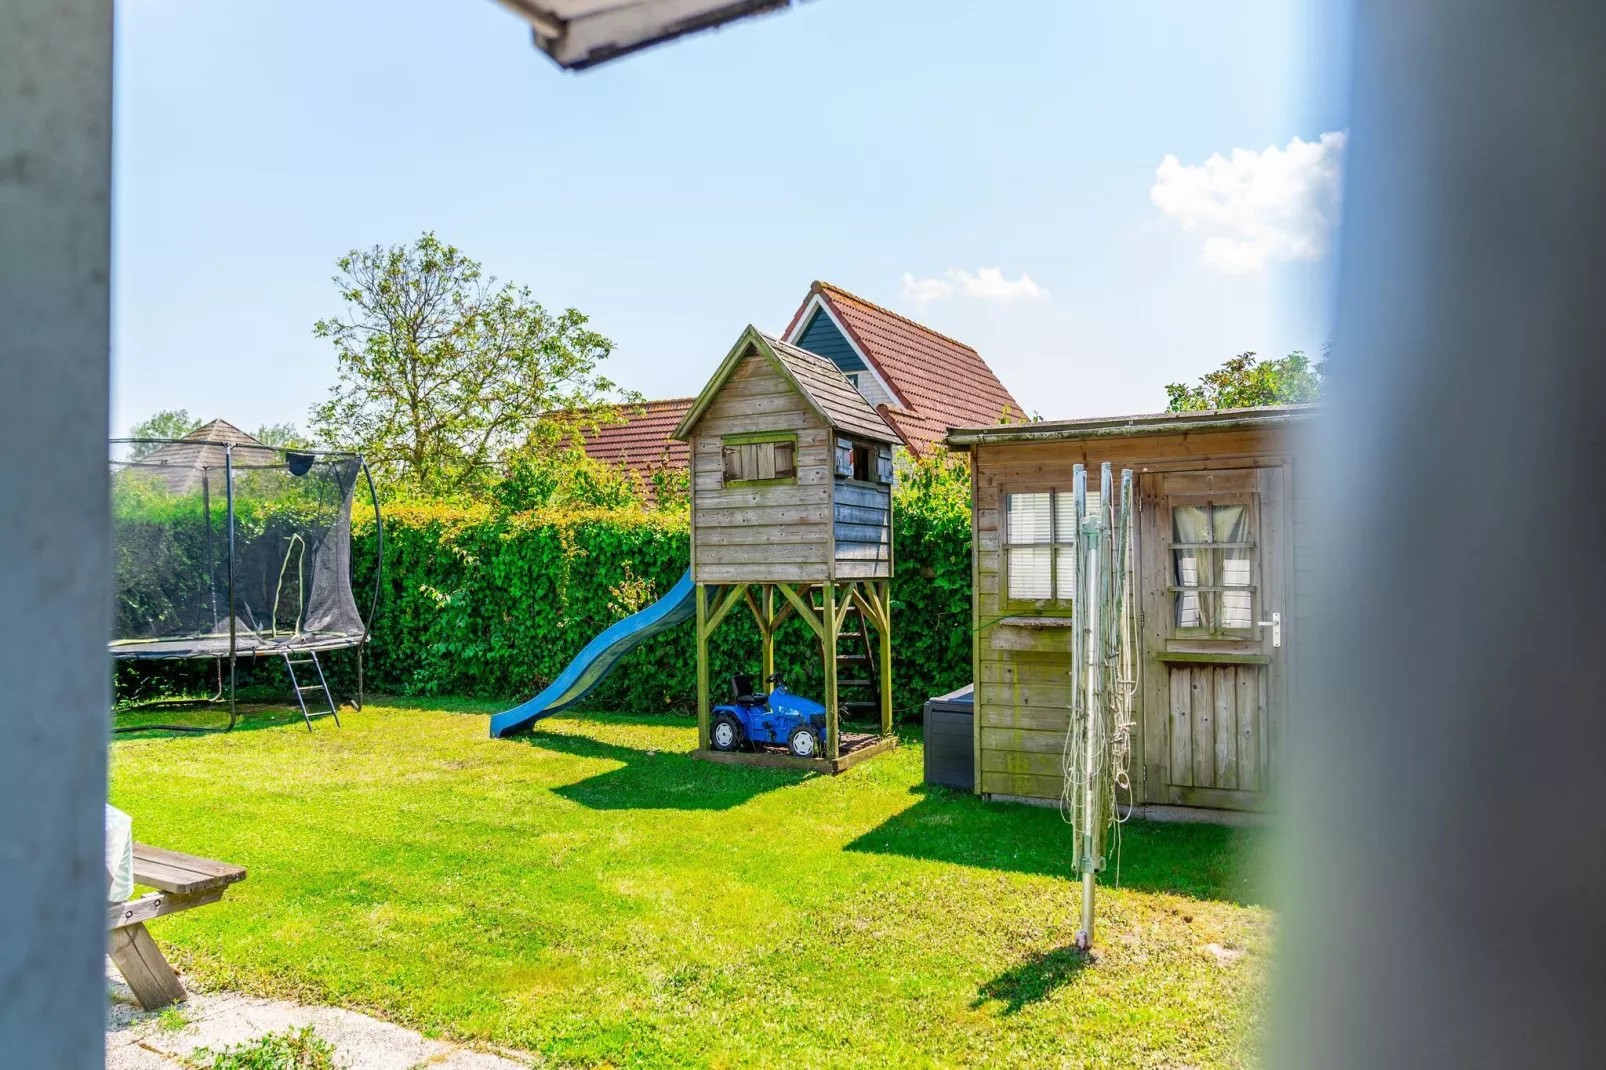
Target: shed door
1215, 554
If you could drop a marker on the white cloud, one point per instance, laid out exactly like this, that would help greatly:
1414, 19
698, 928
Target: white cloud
1276, 205
988, 284
924, 291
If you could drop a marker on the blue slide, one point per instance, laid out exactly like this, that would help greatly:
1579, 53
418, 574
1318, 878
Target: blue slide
600, 655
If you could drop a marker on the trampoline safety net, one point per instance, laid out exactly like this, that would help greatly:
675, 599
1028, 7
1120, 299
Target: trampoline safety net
226, 548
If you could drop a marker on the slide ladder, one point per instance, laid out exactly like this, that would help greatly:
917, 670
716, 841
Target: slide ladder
600, 655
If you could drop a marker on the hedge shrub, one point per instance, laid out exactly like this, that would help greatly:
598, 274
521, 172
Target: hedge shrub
479, 601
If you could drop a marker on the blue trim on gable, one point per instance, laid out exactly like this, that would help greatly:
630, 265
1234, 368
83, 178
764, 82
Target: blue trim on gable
822, 337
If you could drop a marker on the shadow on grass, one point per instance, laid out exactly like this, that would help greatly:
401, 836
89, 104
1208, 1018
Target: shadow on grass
658, 780
1032, 981
1199, 861
253, 717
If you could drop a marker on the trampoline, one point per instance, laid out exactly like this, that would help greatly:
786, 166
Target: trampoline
229, 549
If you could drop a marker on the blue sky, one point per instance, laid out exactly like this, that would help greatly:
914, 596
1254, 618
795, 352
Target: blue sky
897, 148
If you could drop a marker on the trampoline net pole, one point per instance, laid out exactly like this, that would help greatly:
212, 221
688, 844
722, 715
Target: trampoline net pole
228, 482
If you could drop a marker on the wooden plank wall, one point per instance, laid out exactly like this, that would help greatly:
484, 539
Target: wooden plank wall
863, 514
1217, 722
761, 534
1022, 674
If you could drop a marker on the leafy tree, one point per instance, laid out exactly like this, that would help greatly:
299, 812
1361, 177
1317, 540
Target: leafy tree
444, 374
282, 436
168, 423
540, 477
1245, 381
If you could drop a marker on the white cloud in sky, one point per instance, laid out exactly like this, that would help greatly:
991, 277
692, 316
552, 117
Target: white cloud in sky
988, 284
1256, 207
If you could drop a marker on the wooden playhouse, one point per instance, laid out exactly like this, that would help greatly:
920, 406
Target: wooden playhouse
1220, 588
791, 513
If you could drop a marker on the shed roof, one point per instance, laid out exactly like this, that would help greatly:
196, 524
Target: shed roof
940, 382
1156, 423
823, 386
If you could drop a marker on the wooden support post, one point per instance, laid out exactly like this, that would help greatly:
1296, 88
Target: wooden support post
768, 628
140, 962
884, 591
828, 649
700, 599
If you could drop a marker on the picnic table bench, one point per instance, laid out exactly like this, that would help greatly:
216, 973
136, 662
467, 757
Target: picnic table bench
182, 882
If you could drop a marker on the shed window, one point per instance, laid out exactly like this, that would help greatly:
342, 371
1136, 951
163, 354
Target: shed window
1040, 545
1212, 552
754, 459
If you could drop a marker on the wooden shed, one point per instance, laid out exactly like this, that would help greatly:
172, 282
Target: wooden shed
791, 472
1220, 589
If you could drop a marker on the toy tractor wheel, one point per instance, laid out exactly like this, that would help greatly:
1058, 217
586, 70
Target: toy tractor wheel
725, 733
804, 743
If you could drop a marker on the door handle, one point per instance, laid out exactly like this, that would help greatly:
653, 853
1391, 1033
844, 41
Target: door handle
1276, 626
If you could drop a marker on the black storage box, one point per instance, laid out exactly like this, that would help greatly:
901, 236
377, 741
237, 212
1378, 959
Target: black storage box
950, 739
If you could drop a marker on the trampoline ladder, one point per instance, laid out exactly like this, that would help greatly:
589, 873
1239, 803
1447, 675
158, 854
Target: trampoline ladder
301, 690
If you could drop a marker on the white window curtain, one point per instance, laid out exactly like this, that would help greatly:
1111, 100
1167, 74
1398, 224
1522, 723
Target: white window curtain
1197, 565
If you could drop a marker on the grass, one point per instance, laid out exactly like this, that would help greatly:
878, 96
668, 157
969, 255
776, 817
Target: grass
172, 1019
590, 893
294, 1049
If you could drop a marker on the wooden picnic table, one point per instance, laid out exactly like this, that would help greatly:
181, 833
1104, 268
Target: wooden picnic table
181, 881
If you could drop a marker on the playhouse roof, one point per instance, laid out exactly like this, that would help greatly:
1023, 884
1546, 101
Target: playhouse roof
938, 382
823, 386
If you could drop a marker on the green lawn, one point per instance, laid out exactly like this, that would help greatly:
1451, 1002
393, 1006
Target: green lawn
592, 894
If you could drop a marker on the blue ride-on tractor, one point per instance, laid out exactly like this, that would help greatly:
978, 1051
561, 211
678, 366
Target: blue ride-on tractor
777, 717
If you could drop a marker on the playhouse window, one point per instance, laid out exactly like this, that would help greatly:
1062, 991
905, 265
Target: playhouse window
1212, 552
1040, 544
855, 460
760, 460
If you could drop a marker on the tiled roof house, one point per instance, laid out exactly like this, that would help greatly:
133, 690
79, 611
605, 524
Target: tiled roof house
641, 442
919, 381
922, 382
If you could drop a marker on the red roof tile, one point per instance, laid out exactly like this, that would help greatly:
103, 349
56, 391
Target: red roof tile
943, 383
642, 441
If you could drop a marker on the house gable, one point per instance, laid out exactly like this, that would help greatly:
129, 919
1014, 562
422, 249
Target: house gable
821, 336
922, 381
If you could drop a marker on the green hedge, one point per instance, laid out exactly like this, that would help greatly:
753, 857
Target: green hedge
478, 601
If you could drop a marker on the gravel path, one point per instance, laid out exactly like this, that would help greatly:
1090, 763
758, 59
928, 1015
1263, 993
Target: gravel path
136, 1040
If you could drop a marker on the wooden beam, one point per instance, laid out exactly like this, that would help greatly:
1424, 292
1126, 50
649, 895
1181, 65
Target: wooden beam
848, 594
884, 633
768, 628
700, 599
828, 633
156, 905
726, 603
140, 962
758, 614
868, 607
780, 615
979, 707
1181, 658
804, 610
